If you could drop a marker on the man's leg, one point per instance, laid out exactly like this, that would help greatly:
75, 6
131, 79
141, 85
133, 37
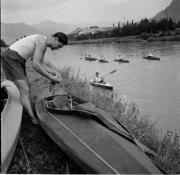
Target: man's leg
25, 99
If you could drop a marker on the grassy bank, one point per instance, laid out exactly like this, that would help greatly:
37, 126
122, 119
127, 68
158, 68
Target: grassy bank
143, 37
41, 155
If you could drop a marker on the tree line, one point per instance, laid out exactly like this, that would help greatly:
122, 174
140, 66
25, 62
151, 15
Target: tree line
144, 28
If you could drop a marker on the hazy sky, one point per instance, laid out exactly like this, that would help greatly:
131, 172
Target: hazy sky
79, 11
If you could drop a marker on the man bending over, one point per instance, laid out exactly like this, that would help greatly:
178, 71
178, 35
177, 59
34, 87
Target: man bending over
15, 57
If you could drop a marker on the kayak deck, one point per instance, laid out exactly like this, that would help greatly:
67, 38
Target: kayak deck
95, 148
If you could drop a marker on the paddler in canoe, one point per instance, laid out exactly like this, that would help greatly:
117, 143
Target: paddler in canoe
150, 56
14, 59
98, 79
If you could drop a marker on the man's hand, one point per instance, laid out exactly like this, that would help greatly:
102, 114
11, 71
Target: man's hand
55, 78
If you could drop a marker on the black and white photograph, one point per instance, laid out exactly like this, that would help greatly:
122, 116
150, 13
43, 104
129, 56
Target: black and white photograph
90, 86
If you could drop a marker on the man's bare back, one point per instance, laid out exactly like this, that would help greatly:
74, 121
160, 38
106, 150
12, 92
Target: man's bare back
26, 46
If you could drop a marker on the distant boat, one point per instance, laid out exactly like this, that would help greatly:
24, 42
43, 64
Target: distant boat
151, 58
102, 61
87, 58
121, 60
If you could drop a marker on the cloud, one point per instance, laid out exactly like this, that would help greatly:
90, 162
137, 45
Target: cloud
74, 4
116, 1
16, 5
33, 11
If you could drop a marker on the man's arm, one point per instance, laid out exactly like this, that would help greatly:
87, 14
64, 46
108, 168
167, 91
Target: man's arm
38, 59
50, 70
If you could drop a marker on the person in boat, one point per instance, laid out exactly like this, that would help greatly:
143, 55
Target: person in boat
150, 54
102, 58
98, 78
33, 47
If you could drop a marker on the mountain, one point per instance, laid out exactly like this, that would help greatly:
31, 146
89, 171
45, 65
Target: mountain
173, 11
12, 31
49, 27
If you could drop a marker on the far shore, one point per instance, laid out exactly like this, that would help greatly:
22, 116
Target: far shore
127, 39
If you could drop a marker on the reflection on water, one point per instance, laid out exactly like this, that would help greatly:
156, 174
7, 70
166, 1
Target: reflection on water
153, 85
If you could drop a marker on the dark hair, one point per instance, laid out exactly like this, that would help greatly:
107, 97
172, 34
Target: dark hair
61, 37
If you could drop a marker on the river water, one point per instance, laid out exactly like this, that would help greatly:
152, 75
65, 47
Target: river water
153, 85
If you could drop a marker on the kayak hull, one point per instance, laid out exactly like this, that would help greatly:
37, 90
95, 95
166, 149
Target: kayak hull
102, 61
102, 85
90, 58
121, 60
92, 146
151, 58
11, 116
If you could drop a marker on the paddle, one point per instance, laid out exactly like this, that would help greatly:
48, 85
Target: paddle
113, 71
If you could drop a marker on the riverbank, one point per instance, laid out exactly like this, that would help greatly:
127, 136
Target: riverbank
43, 156
36, 153
143, 38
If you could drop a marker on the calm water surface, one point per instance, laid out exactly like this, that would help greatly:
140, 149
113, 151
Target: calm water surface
153, 85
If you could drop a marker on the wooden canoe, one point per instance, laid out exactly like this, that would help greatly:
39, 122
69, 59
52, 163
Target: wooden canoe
11, 116
92, 146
